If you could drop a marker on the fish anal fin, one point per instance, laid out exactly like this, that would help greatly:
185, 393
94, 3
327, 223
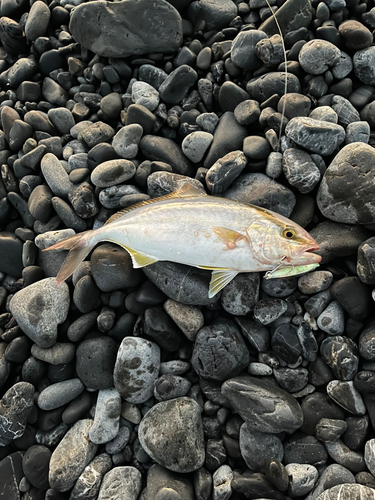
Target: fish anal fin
139, 259
185, 191
219, 279
229, 236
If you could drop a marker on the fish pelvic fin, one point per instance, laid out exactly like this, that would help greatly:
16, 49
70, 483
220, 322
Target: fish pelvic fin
185, 191
79, 246
219, 279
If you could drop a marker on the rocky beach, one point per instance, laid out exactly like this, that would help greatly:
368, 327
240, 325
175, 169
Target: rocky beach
134, 384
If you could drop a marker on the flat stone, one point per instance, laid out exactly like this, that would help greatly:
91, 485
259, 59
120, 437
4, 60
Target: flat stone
143, 27
259, 447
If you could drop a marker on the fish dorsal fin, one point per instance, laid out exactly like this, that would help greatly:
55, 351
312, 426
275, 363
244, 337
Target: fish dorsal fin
185, 191
219, 279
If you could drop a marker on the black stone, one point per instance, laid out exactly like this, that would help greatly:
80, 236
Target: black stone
160, 328
35, 465
96, 359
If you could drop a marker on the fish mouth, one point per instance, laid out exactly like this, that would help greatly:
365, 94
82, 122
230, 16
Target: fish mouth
308, 257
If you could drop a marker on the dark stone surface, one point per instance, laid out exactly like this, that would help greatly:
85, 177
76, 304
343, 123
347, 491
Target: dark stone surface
160, 24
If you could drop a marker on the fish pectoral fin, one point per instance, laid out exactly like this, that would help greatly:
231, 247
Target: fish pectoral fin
139, 259
228, 236
219, 279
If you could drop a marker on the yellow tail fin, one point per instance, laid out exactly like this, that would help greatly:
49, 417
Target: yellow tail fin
79, 246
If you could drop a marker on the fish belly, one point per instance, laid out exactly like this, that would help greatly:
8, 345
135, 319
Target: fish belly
184, 233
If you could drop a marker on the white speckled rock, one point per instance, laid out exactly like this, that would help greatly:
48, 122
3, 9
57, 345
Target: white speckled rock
40, 308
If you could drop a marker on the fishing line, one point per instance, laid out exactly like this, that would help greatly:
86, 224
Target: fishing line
285, 92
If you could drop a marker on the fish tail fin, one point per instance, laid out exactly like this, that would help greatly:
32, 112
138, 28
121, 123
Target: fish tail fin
79, 246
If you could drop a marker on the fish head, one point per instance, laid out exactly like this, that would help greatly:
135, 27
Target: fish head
276, 240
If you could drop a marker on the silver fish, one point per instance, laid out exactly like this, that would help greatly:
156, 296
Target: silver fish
193, 228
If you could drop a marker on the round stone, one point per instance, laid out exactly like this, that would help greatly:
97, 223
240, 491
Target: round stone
112, 172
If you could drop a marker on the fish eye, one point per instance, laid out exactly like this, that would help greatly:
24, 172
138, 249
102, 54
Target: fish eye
289, 233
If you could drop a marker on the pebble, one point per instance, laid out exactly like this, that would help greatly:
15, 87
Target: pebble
58, 354
162, 482
317, 56
316, 136
188, 318
107, 416
300, 170
258, 189
243, 52
259, 447
126, 141
246, 393
332, 320
341, 355
220, 351
56, 176
195, 145
121, 481
177, 84
145, 95
346, 395
35, 465
112, 268
73, 453
40, 308
160, 24
136, 369
59, 394
221, 480
95, 360
333, 475
163, 149
224, 171
341, 454
15, 407
267, 311
88, 484
171, 386
302, 478
228, 137
112, 172
349, 491
329, 429
181, 418
357, 158
315, 282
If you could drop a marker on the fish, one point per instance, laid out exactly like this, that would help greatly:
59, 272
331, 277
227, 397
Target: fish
208, 232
